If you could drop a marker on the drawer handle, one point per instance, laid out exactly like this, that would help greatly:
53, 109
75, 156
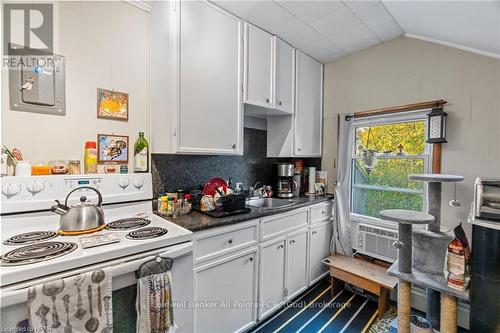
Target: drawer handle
230, 241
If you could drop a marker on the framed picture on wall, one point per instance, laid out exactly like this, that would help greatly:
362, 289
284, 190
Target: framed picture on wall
112, 104
112, 148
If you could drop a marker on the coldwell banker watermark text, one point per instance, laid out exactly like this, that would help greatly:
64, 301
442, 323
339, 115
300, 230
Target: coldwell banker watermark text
28, 35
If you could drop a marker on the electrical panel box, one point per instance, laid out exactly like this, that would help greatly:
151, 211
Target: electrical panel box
38, 85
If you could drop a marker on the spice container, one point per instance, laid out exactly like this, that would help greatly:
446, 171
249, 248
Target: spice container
74, 167
110, 168
170, 206
163, 205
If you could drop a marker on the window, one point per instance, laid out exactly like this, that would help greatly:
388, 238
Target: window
401, 150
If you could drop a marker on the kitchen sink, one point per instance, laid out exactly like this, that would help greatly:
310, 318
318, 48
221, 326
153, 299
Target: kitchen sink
269, 203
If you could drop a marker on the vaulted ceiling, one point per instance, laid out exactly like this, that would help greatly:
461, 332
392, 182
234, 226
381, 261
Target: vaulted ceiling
331, 29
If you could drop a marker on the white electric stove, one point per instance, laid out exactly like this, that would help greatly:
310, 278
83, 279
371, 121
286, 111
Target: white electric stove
33, 252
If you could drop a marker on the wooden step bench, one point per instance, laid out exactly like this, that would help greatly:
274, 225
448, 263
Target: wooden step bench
363, 274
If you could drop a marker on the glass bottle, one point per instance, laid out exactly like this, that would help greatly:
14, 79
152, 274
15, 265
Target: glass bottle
141, 154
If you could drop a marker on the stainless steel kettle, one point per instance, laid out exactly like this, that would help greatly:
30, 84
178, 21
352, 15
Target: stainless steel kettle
82, 217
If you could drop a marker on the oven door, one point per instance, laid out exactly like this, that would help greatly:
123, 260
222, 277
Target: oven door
13, 298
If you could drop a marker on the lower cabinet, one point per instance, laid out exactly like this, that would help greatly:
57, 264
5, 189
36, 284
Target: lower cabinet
272, 276
226, 292
296, 277
283, 270
320, 238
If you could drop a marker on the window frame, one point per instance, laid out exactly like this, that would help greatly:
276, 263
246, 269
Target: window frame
400, 117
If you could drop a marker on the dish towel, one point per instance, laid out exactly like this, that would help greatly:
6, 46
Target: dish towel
77, 304
155, 312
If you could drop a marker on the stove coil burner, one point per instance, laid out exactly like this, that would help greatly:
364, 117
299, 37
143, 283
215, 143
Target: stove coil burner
30, 237
130, 223
34, 253
147, 233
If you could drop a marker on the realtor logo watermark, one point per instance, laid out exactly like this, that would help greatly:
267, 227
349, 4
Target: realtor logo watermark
28, 35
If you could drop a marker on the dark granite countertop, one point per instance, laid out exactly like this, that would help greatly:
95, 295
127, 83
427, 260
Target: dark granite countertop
196, 221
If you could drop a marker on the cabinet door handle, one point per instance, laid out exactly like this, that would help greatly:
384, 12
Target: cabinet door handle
292, 242
299, 149
230, 241
251, 258
234, 146
267, 100
279, 103
314, 232
280, 246
323, 212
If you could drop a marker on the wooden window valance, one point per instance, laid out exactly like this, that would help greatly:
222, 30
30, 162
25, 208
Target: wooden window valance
396, 109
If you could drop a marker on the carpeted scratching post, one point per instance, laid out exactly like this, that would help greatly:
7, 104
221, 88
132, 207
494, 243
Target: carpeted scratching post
448, 313
404, 306
405, 220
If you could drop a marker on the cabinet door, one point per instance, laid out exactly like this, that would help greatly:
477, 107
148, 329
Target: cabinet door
210, 101
258, 66
225, 284
284, 75
308, 106
319, 249
296, 263
272, 276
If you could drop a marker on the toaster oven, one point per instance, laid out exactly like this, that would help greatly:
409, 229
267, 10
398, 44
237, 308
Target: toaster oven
487, 199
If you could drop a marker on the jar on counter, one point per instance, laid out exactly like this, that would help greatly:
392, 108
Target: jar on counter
74, 167
163, 205
58, 167
170, 206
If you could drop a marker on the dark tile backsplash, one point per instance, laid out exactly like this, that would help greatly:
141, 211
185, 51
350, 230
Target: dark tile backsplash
174, 171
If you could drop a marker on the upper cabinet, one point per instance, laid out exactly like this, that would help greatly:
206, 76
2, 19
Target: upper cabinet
308, 111
258, 67
284, 75
205, 77
206, 64
300, 135
269, 72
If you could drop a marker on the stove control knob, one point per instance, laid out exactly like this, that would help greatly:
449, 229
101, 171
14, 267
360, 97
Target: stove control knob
35, 186
138, 183
11, 190
123, 182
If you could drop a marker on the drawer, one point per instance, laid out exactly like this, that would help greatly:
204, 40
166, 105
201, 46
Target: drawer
280, 224
321, 212
221, 242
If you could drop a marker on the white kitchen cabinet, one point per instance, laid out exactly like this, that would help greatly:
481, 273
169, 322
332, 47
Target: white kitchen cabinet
309, 108
229, 287
300, 135
296, 277
272, 276
258, 67
284, 76
320, 237
197, 100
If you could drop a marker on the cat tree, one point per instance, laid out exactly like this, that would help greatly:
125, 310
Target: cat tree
421, 258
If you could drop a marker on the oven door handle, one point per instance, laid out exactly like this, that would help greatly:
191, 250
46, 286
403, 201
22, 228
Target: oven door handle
16, 294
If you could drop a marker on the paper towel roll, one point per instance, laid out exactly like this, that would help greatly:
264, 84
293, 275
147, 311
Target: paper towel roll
312, 179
